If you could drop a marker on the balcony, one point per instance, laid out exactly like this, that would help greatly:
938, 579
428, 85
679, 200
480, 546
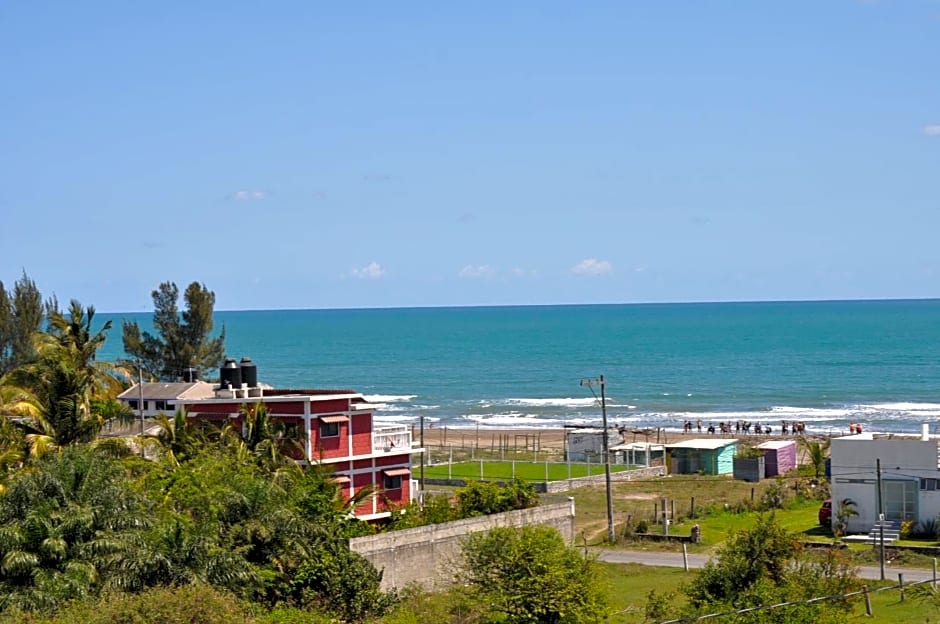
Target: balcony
390, 438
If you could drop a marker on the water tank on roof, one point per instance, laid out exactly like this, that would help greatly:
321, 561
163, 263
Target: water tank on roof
249, 372
190, 375
230, 375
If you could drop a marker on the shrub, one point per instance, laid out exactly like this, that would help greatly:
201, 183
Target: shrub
907, 529
927, 529
193, 604
529, 575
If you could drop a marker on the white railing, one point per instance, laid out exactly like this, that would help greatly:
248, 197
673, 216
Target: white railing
387, 438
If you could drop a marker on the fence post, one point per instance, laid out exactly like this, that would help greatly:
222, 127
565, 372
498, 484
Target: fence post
685, 557
481, 469
513, 469
868, 610
934, 573
692, 508
546, 476
901, 584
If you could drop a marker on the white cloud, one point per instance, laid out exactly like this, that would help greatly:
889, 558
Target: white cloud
592, 267
248, 195
477, 271
372, 271
932, 130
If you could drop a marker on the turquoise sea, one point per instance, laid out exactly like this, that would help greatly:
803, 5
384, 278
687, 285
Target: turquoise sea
825, 363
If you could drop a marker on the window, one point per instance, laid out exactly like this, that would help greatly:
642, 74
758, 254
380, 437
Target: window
292, 431
132, 404
392, 478
329, 430
929, 485
163, 406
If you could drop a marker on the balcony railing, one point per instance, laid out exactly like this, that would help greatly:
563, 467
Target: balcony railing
388, 438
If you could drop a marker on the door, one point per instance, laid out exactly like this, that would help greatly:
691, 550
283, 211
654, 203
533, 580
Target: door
900, 499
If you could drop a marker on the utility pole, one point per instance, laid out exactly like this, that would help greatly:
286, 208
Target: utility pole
610, 506
421, 492
140, 402
881, 521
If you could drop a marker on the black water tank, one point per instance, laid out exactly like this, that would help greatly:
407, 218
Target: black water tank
230, 375
249, 372
190, 375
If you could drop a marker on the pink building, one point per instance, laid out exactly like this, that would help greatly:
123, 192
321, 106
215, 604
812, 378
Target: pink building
337, 427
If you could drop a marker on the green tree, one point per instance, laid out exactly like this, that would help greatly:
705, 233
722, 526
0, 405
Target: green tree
62, 524
529, 575
763, 566
479, 498
817, 452
21, 315
183, 339
64, 381
339, 581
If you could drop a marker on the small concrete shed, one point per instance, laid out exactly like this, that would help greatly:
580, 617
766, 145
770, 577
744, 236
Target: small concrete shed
779, 456
707, 455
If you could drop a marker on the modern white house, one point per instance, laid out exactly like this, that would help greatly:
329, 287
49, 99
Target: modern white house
910, 477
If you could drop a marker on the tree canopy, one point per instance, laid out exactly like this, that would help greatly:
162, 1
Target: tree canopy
183, 339
21, 315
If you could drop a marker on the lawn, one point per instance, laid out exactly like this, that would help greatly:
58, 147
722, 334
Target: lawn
629, 585
506, 470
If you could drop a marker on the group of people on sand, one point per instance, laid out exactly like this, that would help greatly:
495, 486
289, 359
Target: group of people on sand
743, 426
855, 428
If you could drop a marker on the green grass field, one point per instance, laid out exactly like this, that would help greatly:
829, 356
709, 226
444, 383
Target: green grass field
527, 471
629, 585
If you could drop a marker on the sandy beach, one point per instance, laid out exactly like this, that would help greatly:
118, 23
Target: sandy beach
553, 439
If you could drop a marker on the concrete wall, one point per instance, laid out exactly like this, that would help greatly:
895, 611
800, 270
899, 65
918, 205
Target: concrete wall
854, 474
430, 555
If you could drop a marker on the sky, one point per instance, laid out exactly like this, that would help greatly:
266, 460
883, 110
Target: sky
374, 154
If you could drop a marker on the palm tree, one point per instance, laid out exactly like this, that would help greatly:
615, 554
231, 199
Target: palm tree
178, 438
269, 442
816, 451
65, 382
62, 523
844, 512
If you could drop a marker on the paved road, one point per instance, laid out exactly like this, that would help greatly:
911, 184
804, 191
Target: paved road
674, 560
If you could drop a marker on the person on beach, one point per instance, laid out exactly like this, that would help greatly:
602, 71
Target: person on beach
711, 428
700, 425
784, 427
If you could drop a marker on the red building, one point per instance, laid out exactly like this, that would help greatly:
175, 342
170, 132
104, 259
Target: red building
338, 430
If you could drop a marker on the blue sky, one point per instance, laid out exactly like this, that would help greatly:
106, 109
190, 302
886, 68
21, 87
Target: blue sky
302, 155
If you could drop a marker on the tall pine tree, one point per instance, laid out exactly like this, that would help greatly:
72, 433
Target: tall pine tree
182, 340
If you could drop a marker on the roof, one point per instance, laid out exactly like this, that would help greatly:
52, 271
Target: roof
597, 430
165, 391
638, 446
776, 444
703, 443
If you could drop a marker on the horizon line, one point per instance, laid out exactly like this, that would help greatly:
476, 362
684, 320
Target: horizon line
554, 305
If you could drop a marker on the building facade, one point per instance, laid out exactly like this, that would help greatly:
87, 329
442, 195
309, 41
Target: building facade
910, 478
336, 429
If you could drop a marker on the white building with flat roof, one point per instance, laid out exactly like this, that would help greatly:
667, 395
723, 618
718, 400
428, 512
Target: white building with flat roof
910, 477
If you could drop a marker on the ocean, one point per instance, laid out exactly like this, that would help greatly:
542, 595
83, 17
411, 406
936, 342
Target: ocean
827, 364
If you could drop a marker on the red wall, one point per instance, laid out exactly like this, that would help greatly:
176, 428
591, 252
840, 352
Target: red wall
362, 434
330, 448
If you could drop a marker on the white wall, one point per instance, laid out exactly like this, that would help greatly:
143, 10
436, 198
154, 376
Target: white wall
854, 474
581, 443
